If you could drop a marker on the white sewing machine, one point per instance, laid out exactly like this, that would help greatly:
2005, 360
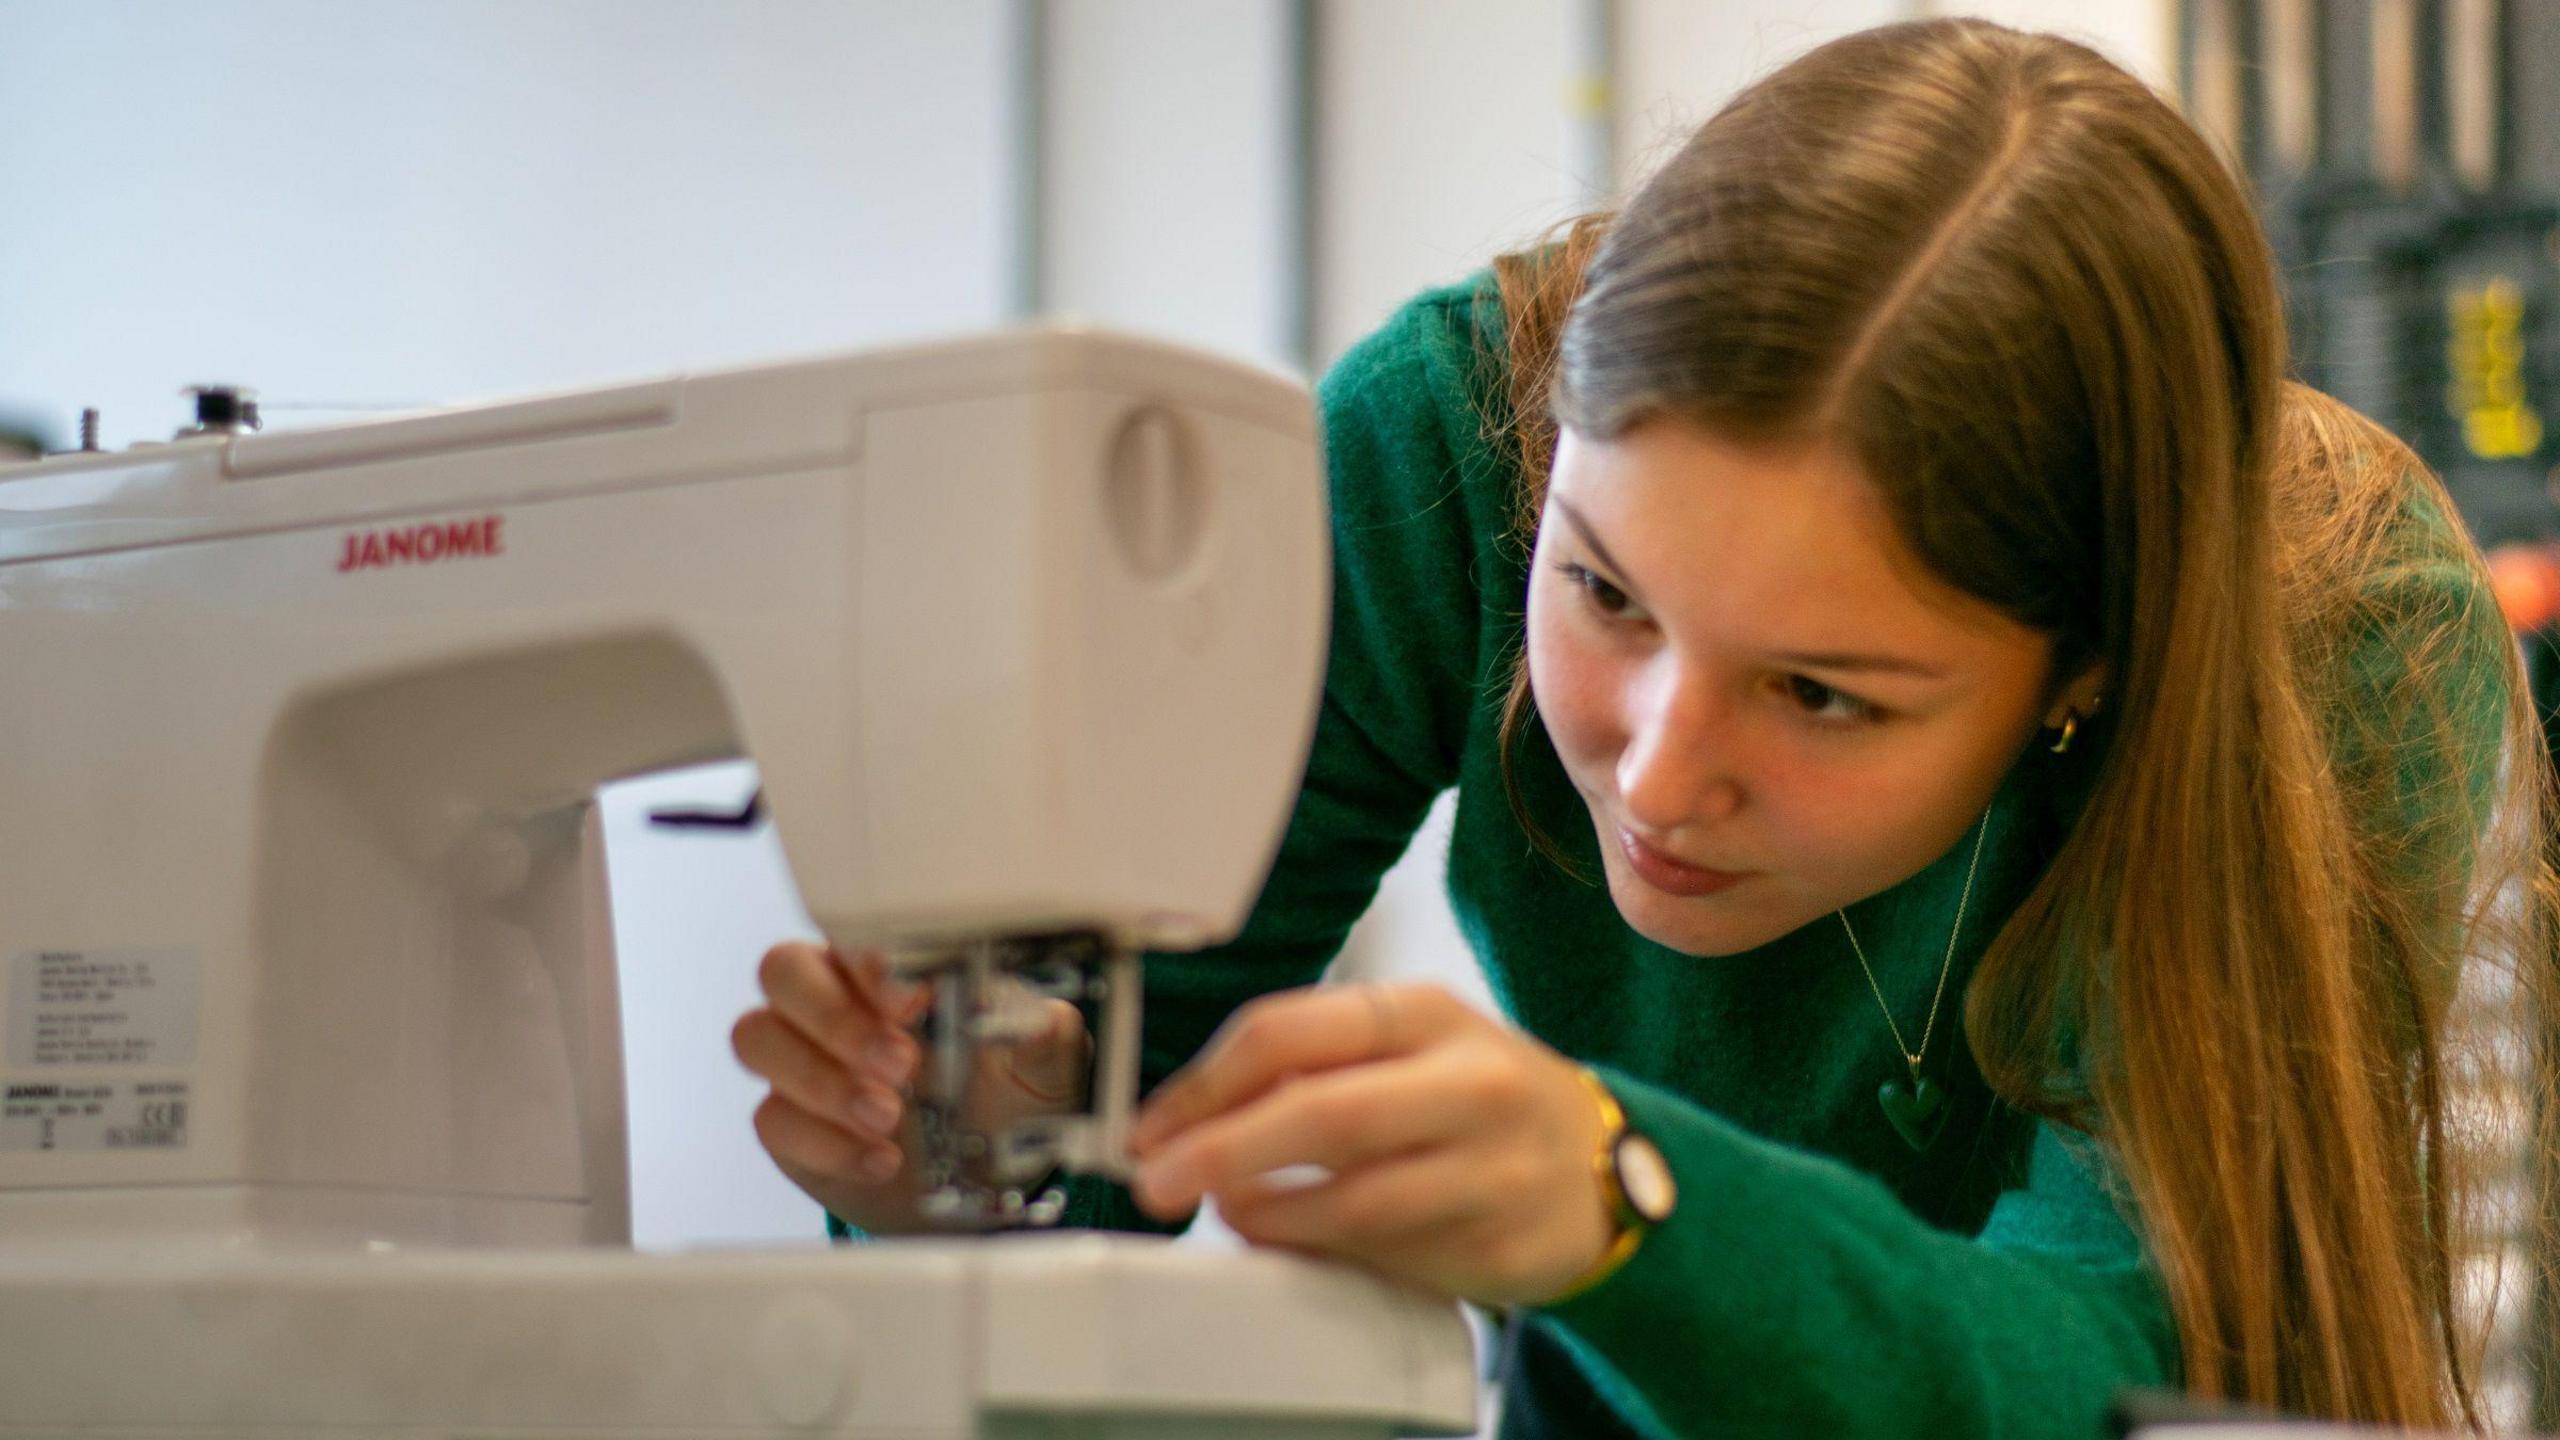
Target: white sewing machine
310, 1074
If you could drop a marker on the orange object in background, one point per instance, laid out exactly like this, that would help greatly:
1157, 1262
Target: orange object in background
2526, 579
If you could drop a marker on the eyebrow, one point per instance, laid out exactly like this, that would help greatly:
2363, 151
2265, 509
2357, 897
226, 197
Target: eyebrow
1851, 661
1844, 661
1582, 528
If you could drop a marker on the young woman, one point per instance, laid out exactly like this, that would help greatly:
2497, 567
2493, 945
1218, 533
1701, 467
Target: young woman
1974, 792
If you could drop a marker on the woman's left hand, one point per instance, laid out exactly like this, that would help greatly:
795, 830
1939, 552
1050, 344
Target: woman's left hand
1457, 1154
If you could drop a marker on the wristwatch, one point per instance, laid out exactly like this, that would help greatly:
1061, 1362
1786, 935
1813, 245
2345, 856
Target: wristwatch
1635, 1181
1642, 1178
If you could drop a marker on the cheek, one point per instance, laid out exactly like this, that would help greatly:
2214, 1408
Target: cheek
1574, 685
1841, 818
1858, 826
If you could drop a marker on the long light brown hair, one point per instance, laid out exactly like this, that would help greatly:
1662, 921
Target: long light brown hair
2034, 303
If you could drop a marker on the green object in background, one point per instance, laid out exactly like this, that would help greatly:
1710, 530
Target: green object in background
22, 436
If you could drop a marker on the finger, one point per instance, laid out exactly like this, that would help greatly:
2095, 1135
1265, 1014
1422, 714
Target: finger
812, 1079
1395, 1214
1340, 1120
810, 1149
813, 993
899, 1002
804, 985
1286, 1035
824, 979
1050, 1068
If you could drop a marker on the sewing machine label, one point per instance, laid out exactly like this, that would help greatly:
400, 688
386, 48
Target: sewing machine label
92, 1010
121, 1009
93, 1115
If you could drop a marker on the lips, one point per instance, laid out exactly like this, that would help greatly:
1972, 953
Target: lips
1675, 877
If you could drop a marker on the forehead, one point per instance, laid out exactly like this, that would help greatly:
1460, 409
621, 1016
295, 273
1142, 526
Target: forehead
1780, 545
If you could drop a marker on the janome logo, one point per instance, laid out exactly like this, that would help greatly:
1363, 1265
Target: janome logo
423, 544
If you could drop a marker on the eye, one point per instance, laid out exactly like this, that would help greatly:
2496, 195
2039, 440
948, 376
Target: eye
1602, 596
1820, 702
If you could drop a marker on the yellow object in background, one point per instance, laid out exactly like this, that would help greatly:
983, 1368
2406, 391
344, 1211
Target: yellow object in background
2486, 354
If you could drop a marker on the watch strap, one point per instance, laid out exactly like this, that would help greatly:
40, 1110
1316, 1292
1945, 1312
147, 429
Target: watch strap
1604, 1166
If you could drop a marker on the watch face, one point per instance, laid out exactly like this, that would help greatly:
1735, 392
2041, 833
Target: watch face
1645, 1177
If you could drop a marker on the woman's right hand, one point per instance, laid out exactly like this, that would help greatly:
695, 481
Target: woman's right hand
835, 1040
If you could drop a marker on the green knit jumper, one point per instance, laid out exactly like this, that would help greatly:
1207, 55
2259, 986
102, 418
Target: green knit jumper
1819, 1277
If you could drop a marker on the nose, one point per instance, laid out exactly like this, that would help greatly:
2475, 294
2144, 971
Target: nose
1675, 770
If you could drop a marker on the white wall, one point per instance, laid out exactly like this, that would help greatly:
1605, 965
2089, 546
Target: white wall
411, 201
415, 200
1166, 185
1443, 137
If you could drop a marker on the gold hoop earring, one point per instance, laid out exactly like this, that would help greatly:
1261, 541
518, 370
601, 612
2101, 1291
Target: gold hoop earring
2070, 727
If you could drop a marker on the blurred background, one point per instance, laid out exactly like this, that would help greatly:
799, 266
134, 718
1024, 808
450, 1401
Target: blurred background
412, 202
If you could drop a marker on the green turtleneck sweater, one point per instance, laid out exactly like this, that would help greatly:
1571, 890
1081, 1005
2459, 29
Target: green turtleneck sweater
1819, 1276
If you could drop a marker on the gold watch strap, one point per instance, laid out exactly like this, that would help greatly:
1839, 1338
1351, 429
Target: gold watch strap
1604, 1165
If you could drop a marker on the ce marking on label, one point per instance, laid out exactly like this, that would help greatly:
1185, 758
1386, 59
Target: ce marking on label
164, 1115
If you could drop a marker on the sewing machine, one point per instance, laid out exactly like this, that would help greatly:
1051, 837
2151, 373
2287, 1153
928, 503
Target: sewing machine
310, 1078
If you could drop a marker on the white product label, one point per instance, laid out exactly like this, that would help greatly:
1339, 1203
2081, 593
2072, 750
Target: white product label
93, 1115
120, 1009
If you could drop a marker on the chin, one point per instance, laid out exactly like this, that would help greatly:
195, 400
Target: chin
1707, 928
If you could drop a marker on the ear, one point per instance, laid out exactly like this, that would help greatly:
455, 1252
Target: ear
2080, 695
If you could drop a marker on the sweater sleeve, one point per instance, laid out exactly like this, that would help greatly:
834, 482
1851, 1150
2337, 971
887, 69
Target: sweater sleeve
1394, 709
1790, 1294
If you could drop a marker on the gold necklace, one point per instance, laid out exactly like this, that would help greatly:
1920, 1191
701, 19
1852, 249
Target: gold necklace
1918, 1108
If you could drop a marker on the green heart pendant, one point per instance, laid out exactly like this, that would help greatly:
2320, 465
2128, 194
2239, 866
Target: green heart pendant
1918, 1112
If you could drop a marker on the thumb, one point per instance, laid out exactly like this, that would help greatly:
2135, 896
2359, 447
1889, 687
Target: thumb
1050, 1066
